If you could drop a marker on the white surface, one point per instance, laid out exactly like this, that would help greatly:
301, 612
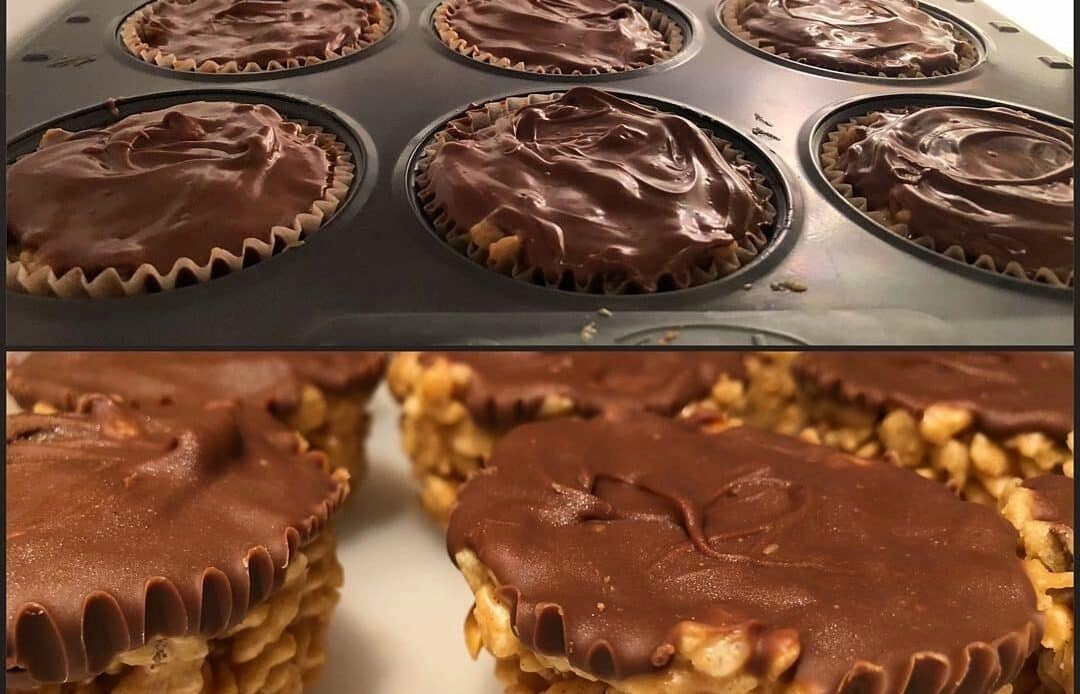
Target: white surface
399, 626
1052, 20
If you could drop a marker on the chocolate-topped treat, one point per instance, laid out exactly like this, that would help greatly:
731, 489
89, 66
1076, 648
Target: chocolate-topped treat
322, 394
455, 405
239, 35
1007, 392
992, 186
1055, 499
589, 191
640, 550
973, 420
186, 186
138, 542
557, 36
893, 38
508, 388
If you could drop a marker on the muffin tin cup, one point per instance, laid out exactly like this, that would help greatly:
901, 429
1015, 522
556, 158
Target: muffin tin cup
126, 43
880, 222
674, 24
727, 24
378, 275
25, 276
767, 181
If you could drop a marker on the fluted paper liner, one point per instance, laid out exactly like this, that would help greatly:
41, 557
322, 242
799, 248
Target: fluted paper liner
661, 21
735, 256
886, 219
27, 276
210, 604
129, 36
966, 51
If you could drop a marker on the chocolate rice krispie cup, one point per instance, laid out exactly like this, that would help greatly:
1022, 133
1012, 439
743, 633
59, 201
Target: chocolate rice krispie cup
456, 405
84, 221
581, 37
324, 396
1041, 509
176, 550
995, 190
486, 185
860, 44
638, 555
219, 36
972, 420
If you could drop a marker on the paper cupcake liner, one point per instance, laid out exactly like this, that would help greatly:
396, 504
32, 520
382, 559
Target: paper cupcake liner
129, 36
661, 21
507, 261
27, 276
887, 219
729, 15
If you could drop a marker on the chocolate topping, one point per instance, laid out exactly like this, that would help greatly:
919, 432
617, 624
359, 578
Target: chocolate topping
508, 388
159, 186
993, 181
569, 35
597, 186
1054, 499
123, 526
885, 580
1007, 392
890, 37
267, 379
259, 31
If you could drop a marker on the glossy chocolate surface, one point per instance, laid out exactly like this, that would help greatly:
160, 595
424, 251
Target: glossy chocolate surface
267, 379
259, 31
594, 186
993, 181
159, 186
1007, 392
889, 37
570, 35
507, 388
607, 537
123, 525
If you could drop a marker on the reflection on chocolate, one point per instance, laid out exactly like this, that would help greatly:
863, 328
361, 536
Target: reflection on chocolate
163, 185
993, 181
267, 379
597, 186
258, 31
890, 37
570, 35
1007, 392
854, 562
124, 525
508, 388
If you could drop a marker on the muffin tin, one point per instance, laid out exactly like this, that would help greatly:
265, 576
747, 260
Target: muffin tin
376, 276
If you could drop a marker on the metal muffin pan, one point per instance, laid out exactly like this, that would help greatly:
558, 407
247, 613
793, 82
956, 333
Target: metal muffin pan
377, 277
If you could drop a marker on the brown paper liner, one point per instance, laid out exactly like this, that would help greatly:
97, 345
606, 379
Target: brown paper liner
729, 15
725, 262
26, 276
129, 36
659, 20
894, 222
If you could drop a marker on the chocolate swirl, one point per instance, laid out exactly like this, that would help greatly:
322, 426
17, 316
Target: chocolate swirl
124, 525
609, 537
994, 181
258, 31
877, 37
595, 186
1007, 392
567, 36
159, 186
